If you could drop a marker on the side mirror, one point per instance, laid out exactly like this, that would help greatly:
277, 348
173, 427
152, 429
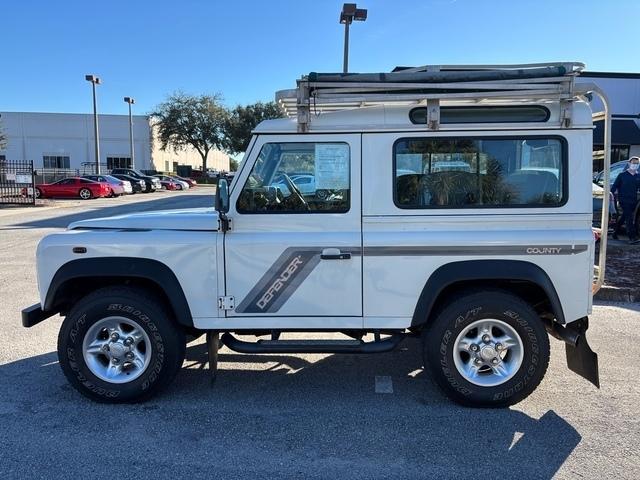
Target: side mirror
222, 195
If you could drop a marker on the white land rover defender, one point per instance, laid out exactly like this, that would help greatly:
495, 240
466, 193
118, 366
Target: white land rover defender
447, 203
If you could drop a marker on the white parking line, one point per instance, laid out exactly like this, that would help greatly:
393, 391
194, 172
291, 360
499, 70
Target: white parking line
384, 384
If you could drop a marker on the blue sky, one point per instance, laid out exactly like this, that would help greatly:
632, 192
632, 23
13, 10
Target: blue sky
247, 49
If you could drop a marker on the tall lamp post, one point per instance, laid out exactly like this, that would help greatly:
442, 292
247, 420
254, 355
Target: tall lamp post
349, 13
131, 101
95, 81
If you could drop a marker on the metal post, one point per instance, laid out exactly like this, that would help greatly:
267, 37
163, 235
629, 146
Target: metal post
95, 80
133, 158
95, 128
345, 63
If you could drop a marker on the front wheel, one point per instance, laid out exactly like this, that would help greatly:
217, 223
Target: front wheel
486, 349
118, 345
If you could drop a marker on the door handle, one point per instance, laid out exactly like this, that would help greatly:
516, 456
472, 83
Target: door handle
334, 254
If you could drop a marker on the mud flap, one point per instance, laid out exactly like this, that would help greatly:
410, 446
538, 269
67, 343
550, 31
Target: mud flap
580, 358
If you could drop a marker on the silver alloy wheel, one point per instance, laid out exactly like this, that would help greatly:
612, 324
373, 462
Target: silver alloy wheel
38, 193
85, 193
116, 349
488, 352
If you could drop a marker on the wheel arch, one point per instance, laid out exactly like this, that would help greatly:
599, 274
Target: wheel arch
77, 278
525, 279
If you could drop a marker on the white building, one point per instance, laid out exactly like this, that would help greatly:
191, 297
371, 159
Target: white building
66, 141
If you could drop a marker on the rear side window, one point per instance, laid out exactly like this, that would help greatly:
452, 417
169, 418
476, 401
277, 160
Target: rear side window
274, 183
479, 172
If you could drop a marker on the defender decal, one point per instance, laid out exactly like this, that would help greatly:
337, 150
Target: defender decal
295, 264
281, 280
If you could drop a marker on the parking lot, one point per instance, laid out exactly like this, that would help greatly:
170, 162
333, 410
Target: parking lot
297, 416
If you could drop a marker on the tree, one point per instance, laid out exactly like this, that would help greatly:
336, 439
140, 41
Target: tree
242, 120
3, 137
233, 165
196, 121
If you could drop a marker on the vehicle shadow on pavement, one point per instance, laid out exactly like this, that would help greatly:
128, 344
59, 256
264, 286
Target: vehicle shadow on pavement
275, 416
162, 203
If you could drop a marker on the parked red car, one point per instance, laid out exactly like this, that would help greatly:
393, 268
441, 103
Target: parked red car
168, 184
192, 183
73, 187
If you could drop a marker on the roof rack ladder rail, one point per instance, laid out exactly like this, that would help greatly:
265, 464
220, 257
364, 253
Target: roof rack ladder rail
604, 221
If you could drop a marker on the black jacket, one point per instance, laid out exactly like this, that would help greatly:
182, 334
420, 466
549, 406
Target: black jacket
626, 187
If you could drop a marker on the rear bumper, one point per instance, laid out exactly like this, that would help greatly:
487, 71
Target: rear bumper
34, 314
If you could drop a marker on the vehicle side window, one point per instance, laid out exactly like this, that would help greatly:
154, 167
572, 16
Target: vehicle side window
615, 171
479, 172
84, 180
66, 181
272, 188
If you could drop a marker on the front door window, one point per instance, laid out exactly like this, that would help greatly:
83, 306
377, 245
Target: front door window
298, 178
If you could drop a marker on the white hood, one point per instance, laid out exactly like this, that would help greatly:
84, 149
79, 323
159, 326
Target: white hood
188, 219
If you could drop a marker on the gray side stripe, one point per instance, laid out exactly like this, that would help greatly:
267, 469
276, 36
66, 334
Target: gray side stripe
475, 251
295, 264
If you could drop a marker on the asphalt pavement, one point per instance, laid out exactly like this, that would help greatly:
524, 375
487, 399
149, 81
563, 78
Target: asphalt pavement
298, 416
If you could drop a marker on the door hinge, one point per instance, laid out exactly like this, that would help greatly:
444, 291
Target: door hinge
226, 303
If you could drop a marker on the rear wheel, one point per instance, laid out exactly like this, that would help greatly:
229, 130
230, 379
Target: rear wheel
486, 349
84, 194
117, 345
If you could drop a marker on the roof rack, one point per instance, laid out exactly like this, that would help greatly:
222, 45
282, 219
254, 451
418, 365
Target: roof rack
432, 85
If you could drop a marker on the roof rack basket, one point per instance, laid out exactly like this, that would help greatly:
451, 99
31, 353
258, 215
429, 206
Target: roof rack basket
432, 85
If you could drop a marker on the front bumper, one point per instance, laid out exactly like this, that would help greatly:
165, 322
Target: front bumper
34, 314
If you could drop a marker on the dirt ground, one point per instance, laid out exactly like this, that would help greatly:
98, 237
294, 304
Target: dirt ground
623, 264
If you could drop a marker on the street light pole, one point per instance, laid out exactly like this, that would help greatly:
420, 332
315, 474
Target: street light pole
345, 57
349, 13
131, 101
95, 81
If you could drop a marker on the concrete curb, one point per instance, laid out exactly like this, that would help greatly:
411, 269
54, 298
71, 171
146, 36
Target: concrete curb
617, 294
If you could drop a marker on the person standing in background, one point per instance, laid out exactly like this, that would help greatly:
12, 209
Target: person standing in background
626, 189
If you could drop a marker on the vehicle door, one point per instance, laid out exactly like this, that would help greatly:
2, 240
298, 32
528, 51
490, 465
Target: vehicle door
291, 254
61, 188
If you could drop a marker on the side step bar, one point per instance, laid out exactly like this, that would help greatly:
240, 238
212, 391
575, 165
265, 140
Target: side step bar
313, 346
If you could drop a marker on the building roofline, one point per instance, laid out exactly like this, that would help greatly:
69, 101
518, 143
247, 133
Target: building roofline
74, 113
610, 74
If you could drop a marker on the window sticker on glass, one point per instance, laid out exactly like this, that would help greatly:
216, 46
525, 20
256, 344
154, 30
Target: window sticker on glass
407, 163
332, 166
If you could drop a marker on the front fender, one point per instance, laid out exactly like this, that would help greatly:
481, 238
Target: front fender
119, 267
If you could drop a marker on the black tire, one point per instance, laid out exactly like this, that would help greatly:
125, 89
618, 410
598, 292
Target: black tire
39, 193
440, 337
167, 341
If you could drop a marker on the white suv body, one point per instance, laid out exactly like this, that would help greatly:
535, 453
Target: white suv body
378, 250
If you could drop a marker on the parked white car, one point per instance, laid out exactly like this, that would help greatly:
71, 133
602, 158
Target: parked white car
479, 263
